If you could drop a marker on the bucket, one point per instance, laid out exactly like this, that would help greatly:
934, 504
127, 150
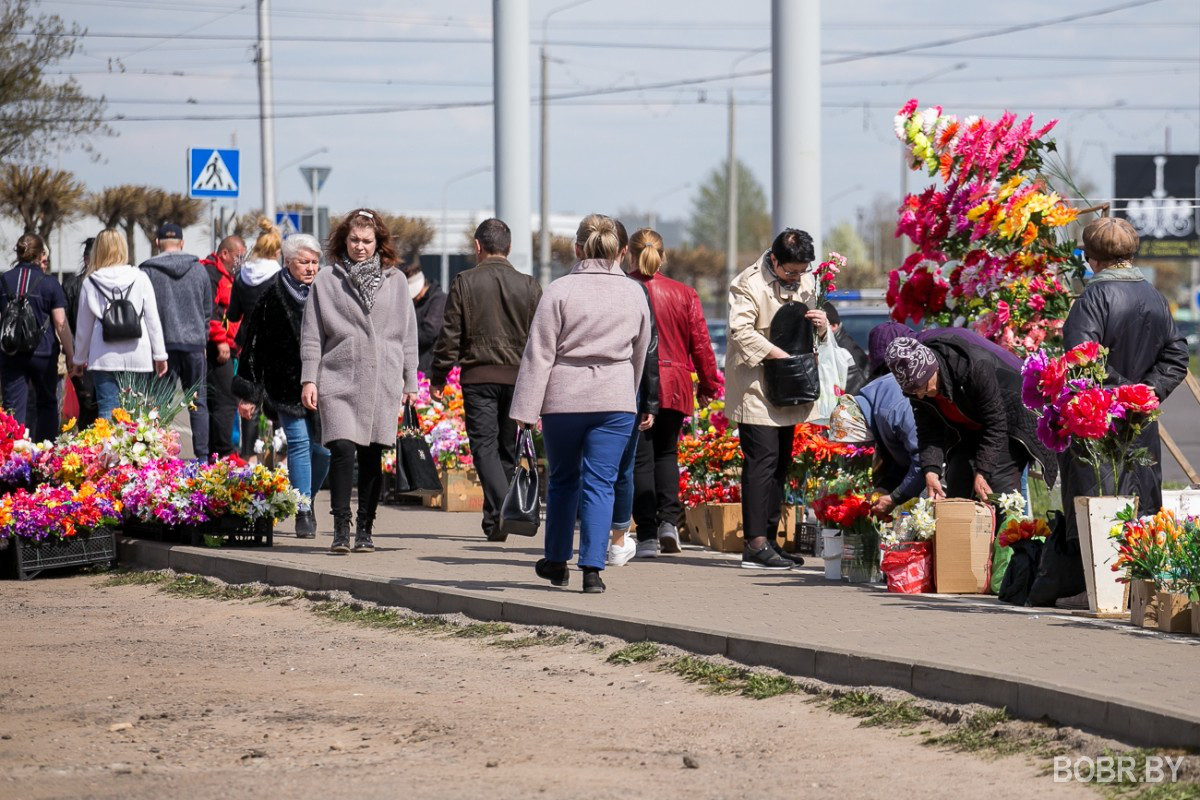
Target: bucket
831, 551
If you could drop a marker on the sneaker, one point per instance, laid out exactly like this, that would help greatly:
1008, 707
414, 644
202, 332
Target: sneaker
668, 539
766, 558
592, 582
647, 549
792, 557
619, 554
553, 571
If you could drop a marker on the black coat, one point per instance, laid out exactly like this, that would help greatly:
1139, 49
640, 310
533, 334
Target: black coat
1123, 312
856, 379
431, 310
984, 381
269, 365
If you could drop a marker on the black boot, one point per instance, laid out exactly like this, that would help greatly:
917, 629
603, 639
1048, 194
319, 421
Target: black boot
341, 533
362, 533
306, 525
554, 571
592, 583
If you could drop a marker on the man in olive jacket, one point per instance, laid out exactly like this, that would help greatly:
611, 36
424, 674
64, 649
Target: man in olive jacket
488, 314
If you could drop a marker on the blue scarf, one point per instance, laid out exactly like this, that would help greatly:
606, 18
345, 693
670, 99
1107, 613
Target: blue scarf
299, 291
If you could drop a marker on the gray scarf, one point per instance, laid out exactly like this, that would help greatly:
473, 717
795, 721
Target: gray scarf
365, 278
1123, 271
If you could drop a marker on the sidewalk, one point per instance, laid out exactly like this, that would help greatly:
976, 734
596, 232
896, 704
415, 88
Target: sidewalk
1108, 677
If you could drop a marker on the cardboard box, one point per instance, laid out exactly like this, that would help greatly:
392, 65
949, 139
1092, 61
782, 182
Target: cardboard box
789, 521
962, 546
697, 526
461, 491
724, 526
1174, 616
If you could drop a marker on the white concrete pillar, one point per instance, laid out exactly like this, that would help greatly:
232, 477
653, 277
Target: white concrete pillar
796, 117
510, 32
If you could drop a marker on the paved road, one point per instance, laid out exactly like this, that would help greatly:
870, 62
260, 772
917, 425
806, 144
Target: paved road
1181, 416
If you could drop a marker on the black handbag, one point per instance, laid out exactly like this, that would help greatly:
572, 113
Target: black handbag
1060, 567
521, 511
416, 471
795, 380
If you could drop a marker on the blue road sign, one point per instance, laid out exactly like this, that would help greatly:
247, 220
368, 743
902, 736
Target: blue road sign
288, 222
212, 172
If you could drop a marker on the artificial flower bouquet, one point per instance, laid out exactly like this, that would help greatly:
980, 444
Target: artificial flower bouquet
56, 513
249, 492
849, 510
990, 248
710, 466
443, 422
1075, 406
826, 276
1159, 557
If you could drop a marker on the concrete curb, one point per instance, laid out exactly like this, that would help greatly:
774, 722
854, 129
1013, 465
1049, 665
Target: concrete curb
1136, 723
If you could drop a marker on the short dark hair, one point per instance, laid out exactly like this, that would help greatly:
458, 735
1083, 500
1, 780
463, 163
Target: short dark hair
793, 247
831, 313
494, 237
622, 234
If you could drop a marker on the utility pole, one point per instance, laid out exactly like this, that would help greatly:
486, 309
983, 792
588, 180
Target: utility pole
544, 175
266, 109
510, 32
796, 116
731, 203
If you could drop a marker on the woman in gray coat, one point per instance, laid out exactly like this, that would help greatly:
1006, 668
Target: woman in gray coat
359, 335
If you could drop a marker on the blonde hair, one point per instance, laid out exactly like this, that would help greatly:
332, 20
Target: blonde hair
109, 250
1110, 239
597, 237
646, 251
269, 241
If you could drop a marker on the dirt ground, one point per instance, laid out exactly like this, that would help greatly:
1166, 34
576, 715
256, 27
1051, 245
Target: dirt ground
126, 692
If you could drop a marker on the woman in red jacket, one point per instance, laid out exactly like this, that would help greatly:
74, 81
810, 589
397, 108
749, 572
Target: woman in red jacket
683, 348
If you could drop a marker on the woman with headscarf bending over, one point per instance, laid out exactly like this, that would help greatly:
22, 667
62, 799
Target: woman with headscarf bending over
580, 373
975, 435
358, 351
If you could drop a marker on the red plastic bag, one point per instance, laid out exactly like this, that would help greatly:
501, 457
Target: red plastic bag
908, 568
70, 408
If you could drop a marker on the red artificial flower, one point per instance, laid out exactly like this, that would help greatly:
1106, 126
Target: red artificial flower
1137, 397
1054, 378
1083, 354
1086, 415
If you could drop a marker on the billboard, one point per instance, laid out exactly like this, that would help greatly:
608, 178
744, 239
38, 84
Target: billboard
1157, 194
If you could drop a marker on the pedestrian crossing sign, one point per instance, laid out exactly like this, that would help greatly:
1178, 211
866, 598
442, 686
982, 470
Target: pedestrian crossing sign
212, 172
288, 222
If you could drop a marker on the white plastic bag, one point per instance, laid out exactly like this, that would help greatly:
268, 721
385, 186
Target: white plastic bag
833, 365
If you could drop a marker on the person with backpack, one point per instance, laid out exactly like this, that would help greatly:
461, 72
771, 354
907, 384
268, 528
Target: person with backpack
119, 330
30, 300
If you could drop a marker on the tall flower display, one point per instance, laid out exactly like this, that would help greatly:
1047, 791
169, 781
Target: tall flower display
1069, 395
990, 251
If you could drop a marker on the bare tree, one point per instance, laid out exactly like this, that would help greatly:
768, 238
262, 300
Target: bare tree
39, 116
39, 197
159, 206
118, 207
410, 235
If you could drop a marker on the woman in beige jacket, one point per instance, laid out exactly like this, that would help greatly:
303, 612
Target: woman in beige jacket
779, 277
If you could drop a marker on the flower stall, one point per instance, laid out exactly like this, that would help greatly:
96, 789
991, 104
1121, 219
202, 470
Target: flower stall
907, 545
990, 248
1158, 557
61, 501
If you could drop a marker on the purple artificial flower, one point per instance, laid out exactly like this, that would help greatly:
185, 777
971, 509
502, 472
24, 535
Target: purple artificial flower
1050, 434
1031, 374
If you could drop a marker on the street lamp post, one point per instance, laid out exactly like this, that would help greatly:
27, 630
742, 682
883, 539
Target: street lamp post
445, 225
544, 154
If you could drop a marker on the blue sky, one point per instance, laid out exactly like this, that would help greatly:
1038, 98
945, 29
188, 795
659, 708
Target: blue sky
618, 150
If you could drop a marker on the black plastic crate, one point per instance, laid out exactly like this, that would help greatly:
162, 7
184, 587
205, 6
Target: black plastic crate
236, 532
159, 532
27, 559
806, 538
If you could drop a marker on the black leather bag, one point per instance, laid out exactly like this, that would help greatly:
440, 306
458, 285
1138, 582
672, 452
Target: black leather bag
416, 471
792, 381
121, 321
1021, 572
521, 511
1060, 567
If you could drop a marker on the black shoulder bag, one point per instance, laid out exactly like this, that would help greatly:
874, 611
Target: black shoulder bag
521, 511
792, 381
416, 471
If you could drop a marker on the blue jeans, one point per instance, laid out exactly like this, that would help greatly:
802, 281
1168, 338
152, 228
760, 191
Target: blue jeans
308, 461
583, 453
108, 393
623, 489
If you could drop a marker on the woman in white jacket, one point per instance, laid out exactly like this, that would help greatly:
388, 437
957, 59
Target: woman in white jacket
110, 277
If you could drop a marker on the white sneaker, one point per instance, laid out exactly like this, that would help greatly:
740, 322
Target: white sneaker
647, 549
668, 538
619, 555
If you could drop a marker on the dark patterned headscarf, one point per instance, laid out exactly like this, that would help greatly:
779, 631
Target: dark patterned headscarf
879, 339
911, 362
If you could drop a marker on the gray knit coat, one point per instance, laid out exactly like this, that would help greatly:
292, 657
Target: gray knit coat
362, 364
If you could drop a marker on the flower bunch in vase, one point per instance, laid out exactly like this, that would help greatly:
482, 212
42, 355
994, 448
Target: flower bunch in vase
990, 250
1069, 395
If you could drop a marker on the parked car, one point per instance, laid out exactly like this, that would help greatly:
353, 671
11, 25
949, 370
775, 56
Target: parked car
858, 320
718, 333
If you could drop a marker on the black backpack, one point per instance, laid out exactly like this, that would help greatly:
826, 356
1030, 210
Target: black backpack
20, 333
120, 322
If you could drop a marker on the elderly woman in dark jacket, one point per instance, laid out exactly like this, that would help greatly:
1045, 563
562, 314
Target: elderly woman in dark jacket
358, 351
966, 398
1125, 313
269, 370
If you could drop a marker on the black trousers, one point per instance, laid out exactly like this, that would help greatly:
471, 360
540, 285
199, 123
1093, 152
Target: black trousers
21, 376
222, 406
960, 468
767, 454
342, 453
656, 475
493, 438
85, 393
